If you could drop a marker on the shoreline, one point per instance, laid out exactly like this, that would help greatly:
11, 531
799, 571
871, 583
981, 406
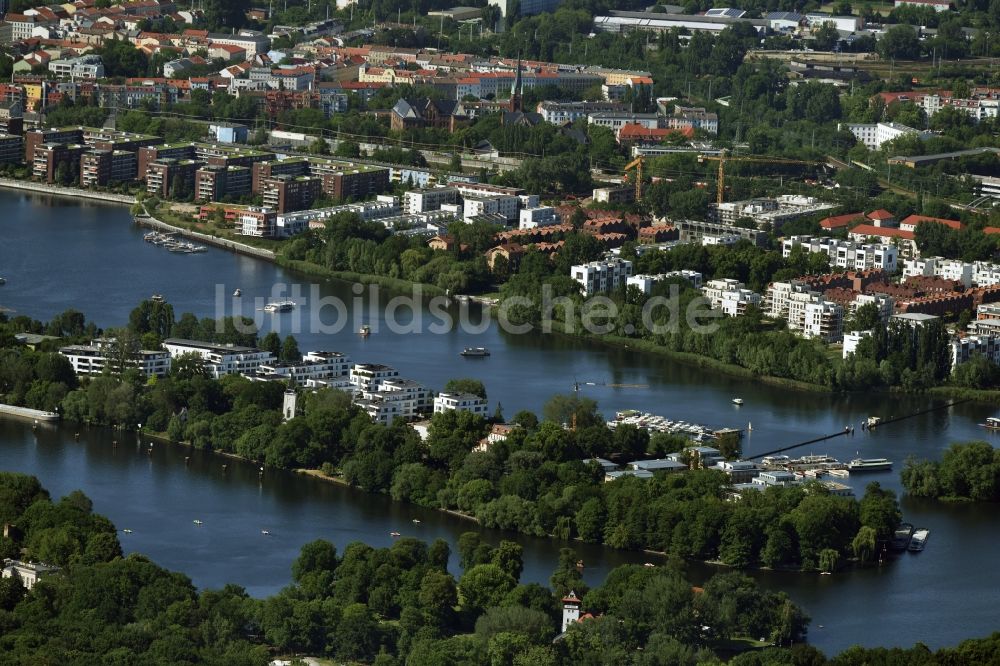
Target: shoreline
70, 192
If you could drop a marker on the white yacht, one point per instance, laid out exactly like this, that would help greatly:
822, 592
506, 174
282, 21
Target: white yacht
919, 540
280, 306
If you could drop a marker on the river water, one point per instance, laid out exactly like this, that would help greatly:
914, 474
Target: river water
58, 253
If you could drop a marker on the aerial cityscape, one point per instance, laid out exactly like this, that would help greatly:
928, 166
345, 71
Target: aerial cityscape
537, 332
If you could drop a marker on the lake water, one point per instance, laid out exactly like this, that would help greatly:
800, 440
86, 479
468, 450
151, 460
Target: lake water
59, 253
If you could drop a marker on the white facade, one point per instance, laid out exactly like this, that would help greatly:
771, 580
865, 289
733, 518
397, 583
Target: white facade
84, 67
645, 283
410, 399
873, 135
367, 376
980, 274
28, 572
421, 201
505, 205
602, 276
462, 402
220, 360
763, 210
730, 296
962, 349
539, 216
314, 365
846, 254
92, 359
806, 312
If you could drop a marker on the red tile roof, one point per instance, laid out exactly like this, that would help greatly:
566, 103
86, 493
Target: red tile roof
914, 220
880, 214
885, 232
989, 231
838, 221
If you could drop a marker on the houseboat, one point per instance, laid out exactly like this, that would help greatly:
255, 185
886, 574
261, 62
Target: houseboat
901, 537
919, 540
869, 465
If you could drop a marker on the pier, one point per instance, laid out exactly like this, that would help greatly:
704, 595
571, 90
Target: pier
74, 192
847, 431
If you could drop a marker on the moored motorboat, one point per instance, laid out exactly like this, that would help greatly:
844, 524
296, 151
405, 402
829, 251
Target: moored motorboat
737, 401
992, 422
280, 306
475, 351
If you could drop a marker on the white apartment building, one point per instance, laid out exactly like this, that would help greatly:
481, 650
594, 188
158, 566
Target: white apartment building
314, 365
846, 254
730, 296
645, 283
84, 67
873, 135
987, 320
806, 312
462, 402
602, 276
93, 359
367, 376
559, 113
505, 204
851, 341
218, 359
775, 212
539, 216
962, 349
290, 224
423, 200
380, 411
884, 304
615, 120
410, 397
980, 273
977, 109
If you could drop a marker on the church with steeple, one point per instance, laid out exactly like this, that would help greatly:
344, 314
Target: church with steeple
513, 112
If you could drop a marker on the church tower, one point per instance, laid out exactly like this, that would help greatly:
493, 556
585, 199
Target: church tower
571, 610
289, 404
516, 89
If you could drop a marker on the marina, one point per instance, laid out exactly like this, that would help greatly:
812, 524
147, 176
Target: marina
654, 423
172, 243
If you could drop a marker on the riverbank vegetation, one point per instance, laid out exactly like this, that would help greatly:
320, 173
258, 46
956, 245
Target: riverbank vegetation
387, 606
540, 479
966, 472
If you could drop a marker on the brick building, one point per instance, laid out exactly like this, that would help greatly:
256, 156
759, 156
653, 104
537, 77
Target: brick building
213, 182
166, 177
289, 193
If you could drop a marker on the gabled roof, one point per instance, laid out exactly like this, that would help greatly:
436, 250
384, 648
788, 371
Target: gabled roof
914, 220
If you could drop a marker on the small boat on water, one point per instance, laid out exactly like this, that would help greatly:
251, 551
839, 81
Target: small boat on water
416, 521
869, 465
394, 534
3, 281
157, 298
127, 531
237, 293
280, 306
197, 522
737, 401
365, 331
475, 351
992, 422
873, 421
265, 532
901, 537
919, 540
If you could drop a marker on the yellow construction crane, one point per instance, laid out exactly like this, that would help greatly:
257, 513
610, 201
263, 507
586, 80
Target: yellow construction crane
637, 165
723, 157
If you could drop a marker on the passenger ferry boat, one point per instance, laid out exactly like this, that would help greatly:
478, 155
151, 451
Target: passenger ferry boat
475, 351
992, 423
869, 465
280, 306
919, 540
